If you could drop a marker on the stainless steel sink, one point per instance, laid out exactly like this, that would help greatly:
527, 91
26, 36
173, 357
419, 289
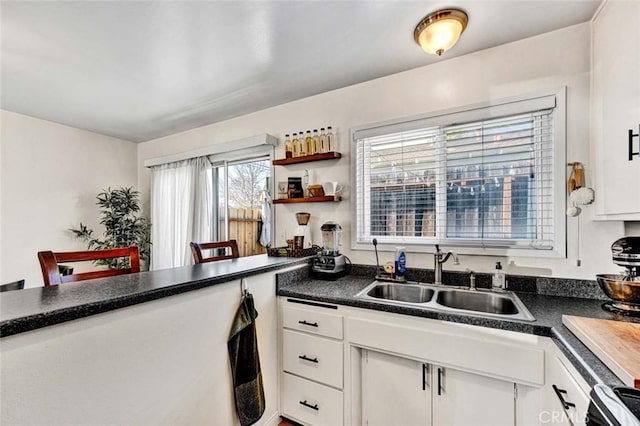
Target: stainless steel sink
503, 304
491, 303
408, 293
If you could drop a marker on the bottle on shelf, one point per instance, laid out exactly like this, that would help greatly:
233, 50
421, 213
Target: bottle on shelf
288, 147
295, 144
309, 142
303, 145
316, 142
324, 142
331, 139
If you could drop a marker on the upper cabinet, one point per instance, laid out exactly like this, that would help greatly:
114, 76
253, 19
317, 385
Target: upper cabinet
615, 113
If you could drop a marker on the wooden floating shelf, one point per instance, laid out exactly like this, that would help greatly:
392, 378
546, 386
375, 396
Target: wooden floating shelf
308, 200
307, 158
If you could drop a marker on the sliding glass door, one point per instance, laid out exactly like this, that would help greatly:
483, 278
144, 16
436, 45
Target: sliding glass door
239, 199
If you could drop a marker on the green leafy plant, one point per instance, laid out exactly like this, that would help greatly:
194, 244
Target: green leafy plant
124, 226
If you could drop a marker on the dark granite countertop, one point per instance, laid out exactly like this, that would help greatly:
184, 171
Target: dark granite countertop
32, 308
547, 310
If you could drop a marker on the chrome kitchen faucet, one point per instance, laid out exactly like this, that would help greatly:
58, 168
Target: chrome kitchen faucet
439, 257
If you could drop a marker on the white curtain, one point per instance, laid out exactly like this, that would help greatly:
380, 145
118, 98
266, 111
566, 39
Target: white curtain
181, 210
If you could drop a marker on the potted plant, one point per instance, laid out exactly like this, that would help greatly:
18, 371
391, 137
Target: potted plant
124, 226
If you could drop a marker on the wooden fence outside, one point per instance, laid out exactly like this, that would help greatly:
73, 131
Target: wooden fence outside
244, 227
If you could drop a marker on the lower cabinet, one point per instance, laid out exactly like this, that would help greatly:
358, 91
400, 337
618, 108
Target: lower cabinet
403, 391
311, 403
350, 366
395, 391
312, 363
566, 398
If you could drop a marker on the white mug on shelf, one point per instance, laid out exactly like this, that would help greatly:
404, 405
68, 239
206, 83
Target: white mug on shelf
331, 188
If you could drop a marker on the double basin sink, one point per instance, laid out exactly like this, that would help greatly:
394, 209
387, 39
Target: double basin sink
502, 304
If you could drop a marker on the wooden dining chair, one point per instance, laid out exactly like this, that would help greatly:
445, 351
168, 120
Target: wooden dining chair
196, 250
52, 276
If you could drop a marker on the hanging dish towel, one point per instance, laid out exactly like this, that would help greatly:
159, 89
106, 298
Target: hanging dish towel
245, 363
265, 215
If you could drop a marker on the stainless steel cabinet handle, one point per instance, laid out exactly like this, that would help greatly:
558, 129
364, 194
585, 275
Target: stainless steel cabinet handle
306, 358
306, 404
310, 324
559, 392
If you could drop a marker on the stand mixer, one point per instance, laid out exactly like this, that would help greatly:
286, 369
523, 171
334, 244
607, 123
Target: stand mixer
623, 288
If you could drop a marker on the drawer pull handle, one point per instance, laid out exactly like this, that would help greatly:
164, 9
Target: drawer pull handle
310, 324
306, 404
425, 373
306, 358
559, 392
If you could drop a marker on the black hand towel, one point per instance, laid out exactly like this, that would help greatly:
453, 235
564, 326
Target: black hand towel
245, 363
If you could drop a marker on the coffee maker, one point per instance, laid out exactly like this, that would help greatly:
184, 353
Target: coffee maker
302, 230
329, 263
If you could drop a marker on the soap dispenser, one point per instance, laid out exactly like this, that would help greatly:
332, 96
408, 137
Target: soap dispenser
499, 280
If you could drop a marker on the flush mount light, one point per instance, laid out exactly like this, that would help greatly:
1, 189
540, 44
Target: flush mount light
439, 31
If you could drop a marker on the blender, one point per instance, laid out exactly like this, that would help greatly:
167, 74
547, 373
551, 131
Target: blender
329, 263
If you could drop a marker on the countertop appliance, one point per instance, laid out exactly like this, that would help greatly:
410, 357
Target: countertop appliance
623, 288
302, 230
618, 406
329, 263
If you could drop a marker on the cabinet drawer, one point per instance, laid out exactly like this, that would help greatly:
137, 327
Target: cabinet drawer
564, 385
312, 320
312, 357
311, 403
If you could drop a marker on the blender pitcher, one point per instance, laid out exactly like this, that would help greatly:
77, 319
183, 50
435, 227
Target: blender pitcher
331, 238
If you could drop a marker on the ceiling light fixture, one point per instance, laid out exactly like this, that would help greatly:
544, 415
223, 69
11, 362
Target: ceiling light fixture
440, 31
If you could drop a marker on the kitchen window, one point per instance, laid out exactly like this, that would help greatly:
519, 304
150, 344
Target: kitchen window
487, 176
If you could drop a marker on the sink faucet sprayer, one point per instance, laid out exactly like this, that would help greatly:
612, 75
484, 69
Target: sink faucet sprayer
439, 257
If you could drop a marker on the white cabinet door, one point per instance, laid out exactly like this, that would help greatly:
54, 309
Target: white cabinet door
395, 391
465, 399
616, 109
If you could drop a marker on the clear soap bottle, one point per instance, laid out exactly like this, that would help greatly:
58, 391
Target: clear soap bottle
499, 279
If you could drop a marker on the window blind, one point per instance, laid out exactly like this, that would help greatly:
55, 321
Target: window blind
486, 182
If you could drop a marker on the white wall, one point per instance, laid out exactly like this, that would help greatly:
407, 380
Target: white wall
548, 61
50, 176
163, 362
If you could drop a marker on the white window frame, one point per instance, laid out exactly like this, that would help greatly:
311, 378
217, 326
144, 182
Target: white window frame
479, 111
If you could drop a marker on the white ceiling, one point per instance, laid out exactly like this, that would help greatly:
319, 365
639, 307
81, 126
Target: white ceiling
142, 70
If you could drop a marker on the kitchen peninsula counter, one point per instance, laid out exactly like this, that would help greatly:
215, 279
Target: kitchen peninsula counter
33, 308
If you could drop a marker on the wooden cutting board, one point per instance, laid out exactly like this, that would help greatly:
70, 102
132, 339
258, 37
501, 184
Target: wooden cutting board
616, 343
